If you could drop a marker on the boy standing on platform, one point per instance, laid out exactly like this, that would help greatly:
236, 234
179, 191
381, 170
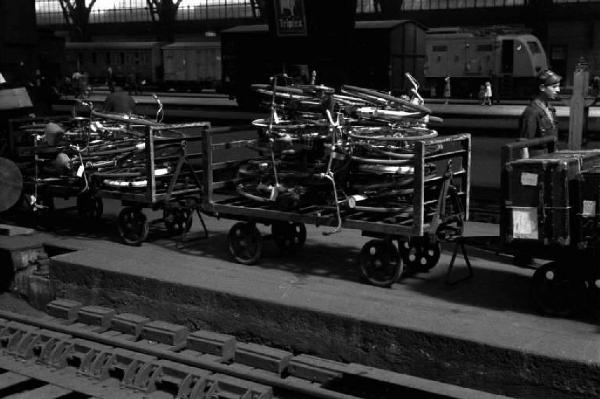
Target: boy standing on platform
539, 118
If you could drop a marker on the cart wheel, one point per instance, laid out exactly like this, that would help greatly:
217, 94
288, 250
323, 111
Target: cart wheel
553, 292
421, 255
522, 259
380, 263
593, 293
186, 219
288, 236
43, 212
177, 220
133, 226
89, 207
245, 243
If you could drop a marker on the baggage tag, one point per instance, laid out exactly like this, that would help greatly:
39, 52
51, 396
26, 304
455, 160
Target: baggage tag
525, 223
80, 170
589, 208
529, 179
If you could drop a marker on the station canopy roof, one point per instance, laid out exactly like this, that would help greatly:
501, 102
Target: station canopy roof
383, 24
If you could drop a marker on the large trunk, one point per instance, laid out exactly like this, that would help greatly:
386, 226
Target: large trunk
542, 196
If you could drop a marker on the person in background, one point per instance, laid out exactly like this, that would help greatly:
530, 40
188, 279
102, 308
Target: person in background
481, 94
110, 80
22, 78
43, 95
447, 89
487, 94
84, 84
596, 86
138, 80
75, 78
133, 80
66, 85
82, 107
119, 101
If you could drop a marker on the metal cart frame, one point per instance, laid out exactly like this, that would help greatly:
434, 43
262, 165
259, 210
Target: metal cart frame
178, 198
421, 233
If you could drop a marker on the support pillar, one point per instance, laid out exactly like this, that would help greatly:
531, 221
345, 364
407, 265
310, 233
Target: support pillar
578, 108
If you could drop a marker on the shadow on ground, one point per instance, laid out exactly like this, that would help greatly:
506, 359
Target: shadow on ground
497, 284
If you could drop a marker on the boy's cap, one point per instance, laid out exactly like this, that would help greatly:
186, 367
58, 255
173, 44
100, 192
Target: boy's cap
549, 78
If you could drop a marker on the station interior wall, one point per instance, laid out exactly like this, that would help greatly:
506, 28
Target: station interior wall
567, 38
573, 40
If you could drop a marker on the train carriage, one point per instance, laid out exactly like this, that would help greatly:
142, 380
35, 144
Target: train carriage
196, 63
375, 54
142, 59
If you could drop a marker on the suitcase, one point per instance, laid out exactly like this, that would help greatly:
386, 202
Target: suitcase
540, 195
588, 212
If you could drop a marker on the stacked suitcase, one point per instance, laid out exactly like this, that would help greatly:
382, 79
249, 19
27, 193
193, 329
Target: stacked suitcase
542, 201
589, 207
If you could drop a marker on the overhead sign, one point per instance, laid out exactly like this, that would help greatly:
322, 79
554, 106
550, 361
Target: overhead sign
290, 18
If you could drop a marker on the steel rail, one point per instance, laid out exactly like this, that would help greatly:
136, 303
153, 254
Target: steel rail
260, 377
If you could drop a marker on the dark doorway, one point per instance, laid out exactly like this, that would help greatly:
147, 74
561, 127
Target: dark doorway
507, 56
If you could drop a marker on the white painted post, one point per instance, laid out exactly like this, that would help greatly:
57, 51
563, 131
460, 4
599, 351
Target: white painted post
577, 108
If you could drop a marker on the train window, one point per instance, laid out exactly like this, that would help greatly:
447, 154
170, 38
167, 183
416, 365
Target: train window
122, 58
94, 58
439, 49
484, 47
107, 58
534, 47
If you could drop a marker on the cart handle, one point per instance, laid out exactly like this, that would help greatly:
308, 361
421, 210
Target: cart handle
512, 151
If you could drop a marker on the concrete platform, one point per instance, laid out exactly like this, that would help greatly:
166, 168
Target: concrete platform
483, 333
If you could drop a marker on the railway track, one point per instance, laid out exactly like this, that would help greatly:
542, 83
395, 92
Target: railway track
92, 352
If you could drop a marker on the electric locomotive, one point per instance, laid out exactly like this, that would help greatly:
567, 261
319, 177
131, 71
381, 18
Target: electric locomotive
509, 58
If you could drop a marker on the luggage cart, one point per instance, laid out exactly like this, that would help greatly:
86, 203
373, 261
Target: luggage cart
411, 235
164, 172
43, 181
37, 151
